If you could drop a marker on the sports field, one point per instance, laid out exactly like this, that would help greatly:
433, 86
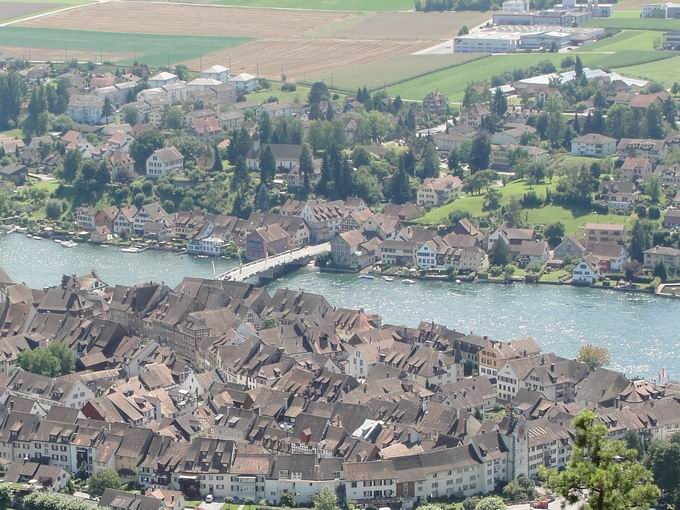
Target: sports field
155, 50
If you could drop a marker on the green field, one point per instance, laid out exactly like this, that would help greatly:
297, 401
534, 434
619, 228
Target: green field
154, 50
299, 95
626, 40
392, 71
637, 23
453, 81
325, 5
663, 71
573, 219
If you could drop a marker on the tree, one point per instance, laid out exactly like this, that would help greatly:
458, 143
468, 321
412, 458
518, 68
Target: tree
480, 152
267, 164
55, 360
500, 253
326, 500
491, 503
52, 500
71, 167
143, 147
492, 200
664, 460
593, 356
430, 163
499, 104
554, 233
10, 99
264, 127
107, 110
654, 122
464, 30
400, 189
317, 94
453, 161
102, 480
640, 239
602, 472
262, 198
578, 67
521, 488
6, 496
131, 115
241, 177
556, 124
660, 271
675, 89
217, 165
174, 118
287, 498
37, 120
306, 168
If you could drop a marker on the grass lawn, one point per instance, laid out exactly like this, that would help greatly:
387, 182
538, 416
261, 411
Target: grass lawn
574, 163
13, 133
473, 203
554, 276
631, 23
326, 5
573, 219
664, 71
300, 94
154, 50
626, 40
452, 81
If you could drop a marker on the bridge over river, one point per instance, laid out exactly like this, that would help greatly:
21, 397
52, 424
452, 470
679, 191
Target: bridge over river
270, 267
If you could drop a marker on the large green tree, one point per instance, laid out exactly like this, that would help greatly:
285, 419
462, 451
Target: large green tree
102, 480
55, 360
602, 472
326, 500
143, 147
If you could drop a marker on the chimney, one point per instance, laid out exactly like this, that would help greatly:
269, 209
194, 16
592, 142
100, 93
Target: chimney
552, 367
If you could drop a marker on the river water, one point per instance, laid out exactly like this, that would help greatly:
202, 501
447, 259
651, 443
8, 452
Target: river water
641, 331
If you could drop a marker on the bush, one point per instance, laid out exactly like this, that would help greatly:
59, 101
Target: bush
53, 208
288, 87
654, 213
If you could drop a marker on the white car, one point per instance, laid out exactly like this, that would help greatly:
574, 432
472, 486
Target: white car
209, 498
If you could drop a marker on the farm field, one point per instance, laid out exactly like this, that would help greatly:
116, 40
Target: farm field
453, 81
155, 50
301, 59
173, 19
637, 23
325, 5
299, 44
664, 71
392, 70
400, 26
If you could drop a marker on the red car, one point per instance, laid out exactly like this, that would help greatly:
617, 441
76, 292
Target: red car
541, 503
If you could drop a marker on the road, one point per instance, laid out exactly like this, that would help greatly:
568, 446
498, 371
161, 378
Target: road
247, 271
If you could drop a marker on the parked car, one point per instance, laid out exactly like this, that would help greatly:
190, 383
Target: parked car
541, 503
209, 498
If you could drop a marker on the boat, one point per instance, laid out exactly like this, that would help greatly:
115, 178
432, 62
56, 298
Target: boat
69, 244
408, 282
131, 249
58, 241
388, 278
457, 280
367, 276
201, 256
37, 238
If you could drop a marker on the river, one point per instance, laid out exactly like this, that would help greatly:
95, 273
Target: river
641, 331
